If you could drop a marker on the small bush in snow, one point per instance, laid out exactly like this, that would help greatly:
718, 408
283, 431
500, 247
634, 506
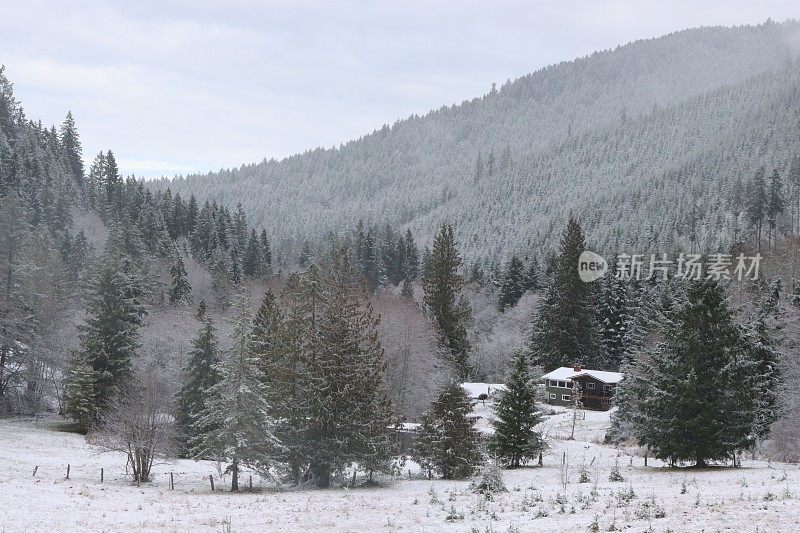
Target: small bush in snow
454, 515
490, 481
615, 474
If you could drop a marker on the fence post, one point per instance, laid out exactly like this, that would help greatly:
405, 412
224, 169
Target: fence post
540, 458
645, 460
68, 471
211, 479
35, 469
102, 477
171, 482
251, 483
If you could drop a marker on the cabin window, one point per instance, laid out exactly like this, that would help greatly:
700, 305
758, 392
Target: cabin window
552, 395
553, 383
608, 387
565, 397
590, 385
562, 384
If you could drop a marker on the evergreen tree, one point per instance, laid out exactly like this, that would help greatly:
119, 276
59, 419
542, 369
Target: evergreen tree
513, 286
109, 337
515, 440
180, 290
349, 416
700, 399
201, 375
111, 178
411, 261
447, 440
766, 369
71, 144
775, 205
757, 200
266, 251
80, 386
533, 280
251, 263
613, 318
565, 331
237, 423
442, 283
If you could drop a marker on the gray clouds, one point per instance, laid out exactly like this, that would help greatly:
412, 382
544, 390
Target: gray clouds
182, 86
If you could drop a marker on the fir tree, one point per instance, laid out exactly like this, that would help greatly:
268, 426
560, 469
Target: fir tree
613, 318
513, 285
515, 440
565, 331
251, 263
700, 399
265, 250
349, 416
766, 369
71, 145
237, 424
201, 376
447, 442
757, 203
80, 392
775, 204
533, 280
442, 283
180, 290
109, 339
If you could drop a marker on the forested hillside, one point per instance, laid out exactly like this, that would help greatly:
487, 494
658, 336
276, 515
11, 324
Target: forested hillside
614, 137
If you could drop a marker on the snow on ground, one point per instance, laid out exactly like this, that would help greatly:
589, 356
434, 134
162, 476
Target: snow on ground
759, 496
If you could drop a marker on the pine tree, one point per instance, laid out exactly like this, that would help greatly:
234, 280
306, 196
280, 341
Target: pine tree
565, 330
180, 290
71, 144
533, 280
442, 283
767, 374
201, 376
80, 392
111, 178
614, 320
775, 205
447, 440
266, 251
700, 399
513, 286
757, 203
350, 412
109, 339
237, 424
251, 263
515, 440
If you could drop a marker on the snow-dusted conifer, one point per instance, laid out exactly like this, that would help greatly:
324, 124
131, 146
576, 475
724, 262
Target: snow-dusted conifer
237, 422
515, 440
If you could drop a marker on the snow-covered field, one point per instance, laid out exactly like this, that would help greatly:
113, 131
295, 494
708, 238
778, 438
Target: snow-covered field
760, 496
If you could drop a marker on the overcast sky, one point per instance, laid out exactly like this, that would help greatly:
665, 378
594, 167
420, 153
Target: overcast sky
195, 85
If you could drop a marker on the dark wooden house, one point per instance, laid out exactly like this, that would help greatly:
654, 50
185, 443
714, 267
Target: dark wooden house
594, 388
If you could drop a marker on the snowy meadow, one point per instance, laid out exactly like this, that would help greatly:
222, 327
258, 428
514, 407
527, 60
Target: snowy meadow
548, 498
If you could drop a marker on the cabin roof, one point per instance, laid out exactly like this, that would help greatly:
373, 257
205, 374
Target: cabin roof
568, 372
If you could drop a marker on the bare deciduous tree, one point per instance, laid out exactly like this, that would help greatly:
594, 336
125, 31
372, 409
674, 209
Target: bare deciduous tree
139, 423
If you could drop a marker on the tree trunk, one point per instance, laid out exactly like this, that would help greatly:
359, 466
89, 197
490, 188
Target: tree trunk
235, 475
323, 473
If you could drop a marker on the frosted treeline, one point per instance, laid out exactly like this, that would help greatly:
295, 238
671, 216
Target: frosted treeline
627, 139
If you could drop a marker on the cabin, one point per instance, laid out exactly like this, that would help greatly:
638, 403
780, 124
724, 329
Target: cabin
595, 388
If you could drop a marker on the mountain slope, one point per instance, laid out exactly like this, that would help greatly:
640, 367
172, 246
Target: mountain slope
593, 135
